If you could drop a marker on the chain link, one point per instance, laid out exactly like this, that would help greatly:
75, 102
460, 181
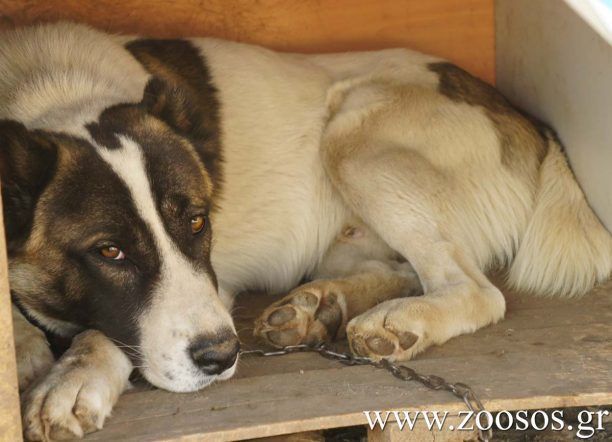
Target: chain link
402, 372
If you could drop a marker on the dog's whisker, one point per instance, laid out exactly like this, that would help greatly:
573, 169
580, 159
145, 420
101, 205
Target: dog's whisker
122, 344
135, 351
131, 350
130, 347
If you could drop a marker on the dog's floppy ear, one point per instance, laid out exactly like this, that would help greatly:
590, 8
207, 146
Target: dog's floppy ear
172, 104
27, 163
189, 112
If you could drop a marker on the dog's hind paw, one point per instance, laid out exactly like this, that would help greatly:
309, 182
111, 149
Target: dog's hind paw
310, 314
79, 392
394, 330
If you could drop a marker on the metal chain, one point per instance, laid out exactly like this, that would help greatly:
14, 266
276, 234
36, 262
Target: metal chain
460, 390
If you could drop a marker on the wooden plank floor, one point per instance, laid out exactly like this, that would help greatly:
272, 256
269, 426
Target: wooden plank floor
547, 353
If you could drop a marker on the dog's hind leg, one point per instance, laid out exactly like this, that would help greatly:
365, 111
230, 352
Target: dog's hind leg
358, 271
34, 356
403, 196
79, 391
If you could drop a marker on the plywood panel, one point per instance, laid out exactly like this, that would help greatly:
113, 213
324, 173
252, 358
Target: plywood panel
10, 420
460, 30
553, 64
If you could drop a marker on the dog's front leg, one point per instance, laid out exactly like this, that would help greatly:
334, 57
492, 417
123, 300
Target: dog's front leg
79, 392
34, 356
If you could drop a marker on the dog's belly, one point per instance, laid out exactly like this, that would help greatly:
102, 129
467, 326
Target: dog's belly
278, 211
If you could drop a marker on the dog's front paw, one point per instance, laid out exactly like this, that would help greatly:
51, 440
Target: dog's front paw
34, 357
79, 392
310, 314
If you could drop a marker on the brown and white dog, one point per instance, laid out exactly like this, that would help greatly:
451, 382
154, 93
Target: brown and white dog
145, 182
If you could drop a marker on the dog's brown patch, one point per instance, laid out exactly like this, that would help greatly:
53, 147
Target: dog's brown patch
522, 137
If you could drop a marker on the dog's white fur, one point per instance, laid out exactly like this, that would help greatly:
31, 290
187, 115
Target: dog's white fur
313, 143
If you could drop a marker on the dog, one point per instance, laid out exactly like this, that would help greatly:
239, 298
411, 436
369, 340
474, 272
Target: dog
145, 182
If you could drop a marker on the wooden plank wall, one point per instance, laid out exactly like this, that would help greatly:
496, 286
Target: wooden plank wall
460, 30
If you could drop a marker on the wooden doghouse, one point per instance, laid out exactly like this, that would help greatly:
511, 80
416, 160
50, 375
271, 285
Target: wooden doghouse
546, 57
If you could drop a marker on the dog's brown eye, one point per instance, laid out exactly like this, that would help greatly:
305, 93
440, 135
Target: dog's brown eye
198, 223
112, 252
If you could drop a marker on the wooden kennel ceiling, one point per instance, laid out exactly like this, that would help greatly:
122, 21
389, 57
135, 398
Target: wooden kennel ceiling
460, 30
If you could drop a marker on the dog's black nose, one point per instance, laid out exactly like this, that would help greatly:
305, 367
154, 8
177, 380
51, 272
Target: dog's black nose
215, 354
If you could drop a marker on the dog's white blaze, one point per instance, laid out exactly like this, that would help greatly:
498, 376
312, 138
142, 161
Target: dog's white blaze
184, 303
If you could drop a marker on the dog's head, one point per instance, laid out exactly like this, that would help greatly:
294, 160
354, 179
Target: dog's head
111, 231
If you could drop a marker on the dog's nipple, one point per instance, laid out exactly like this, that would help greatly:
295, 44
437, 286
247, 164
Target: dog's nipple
352, 232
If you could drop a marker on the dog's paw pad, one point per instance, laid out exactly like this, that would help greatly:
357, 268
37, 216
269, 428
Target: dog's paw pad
388, 331
385, 346
407, 339
305, 299
282, 338
381, 346
281, 315
306, 316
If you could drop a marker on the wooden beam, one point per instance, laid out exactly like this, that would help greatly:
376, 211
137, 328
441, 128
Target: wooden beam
459, 30
10, 416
